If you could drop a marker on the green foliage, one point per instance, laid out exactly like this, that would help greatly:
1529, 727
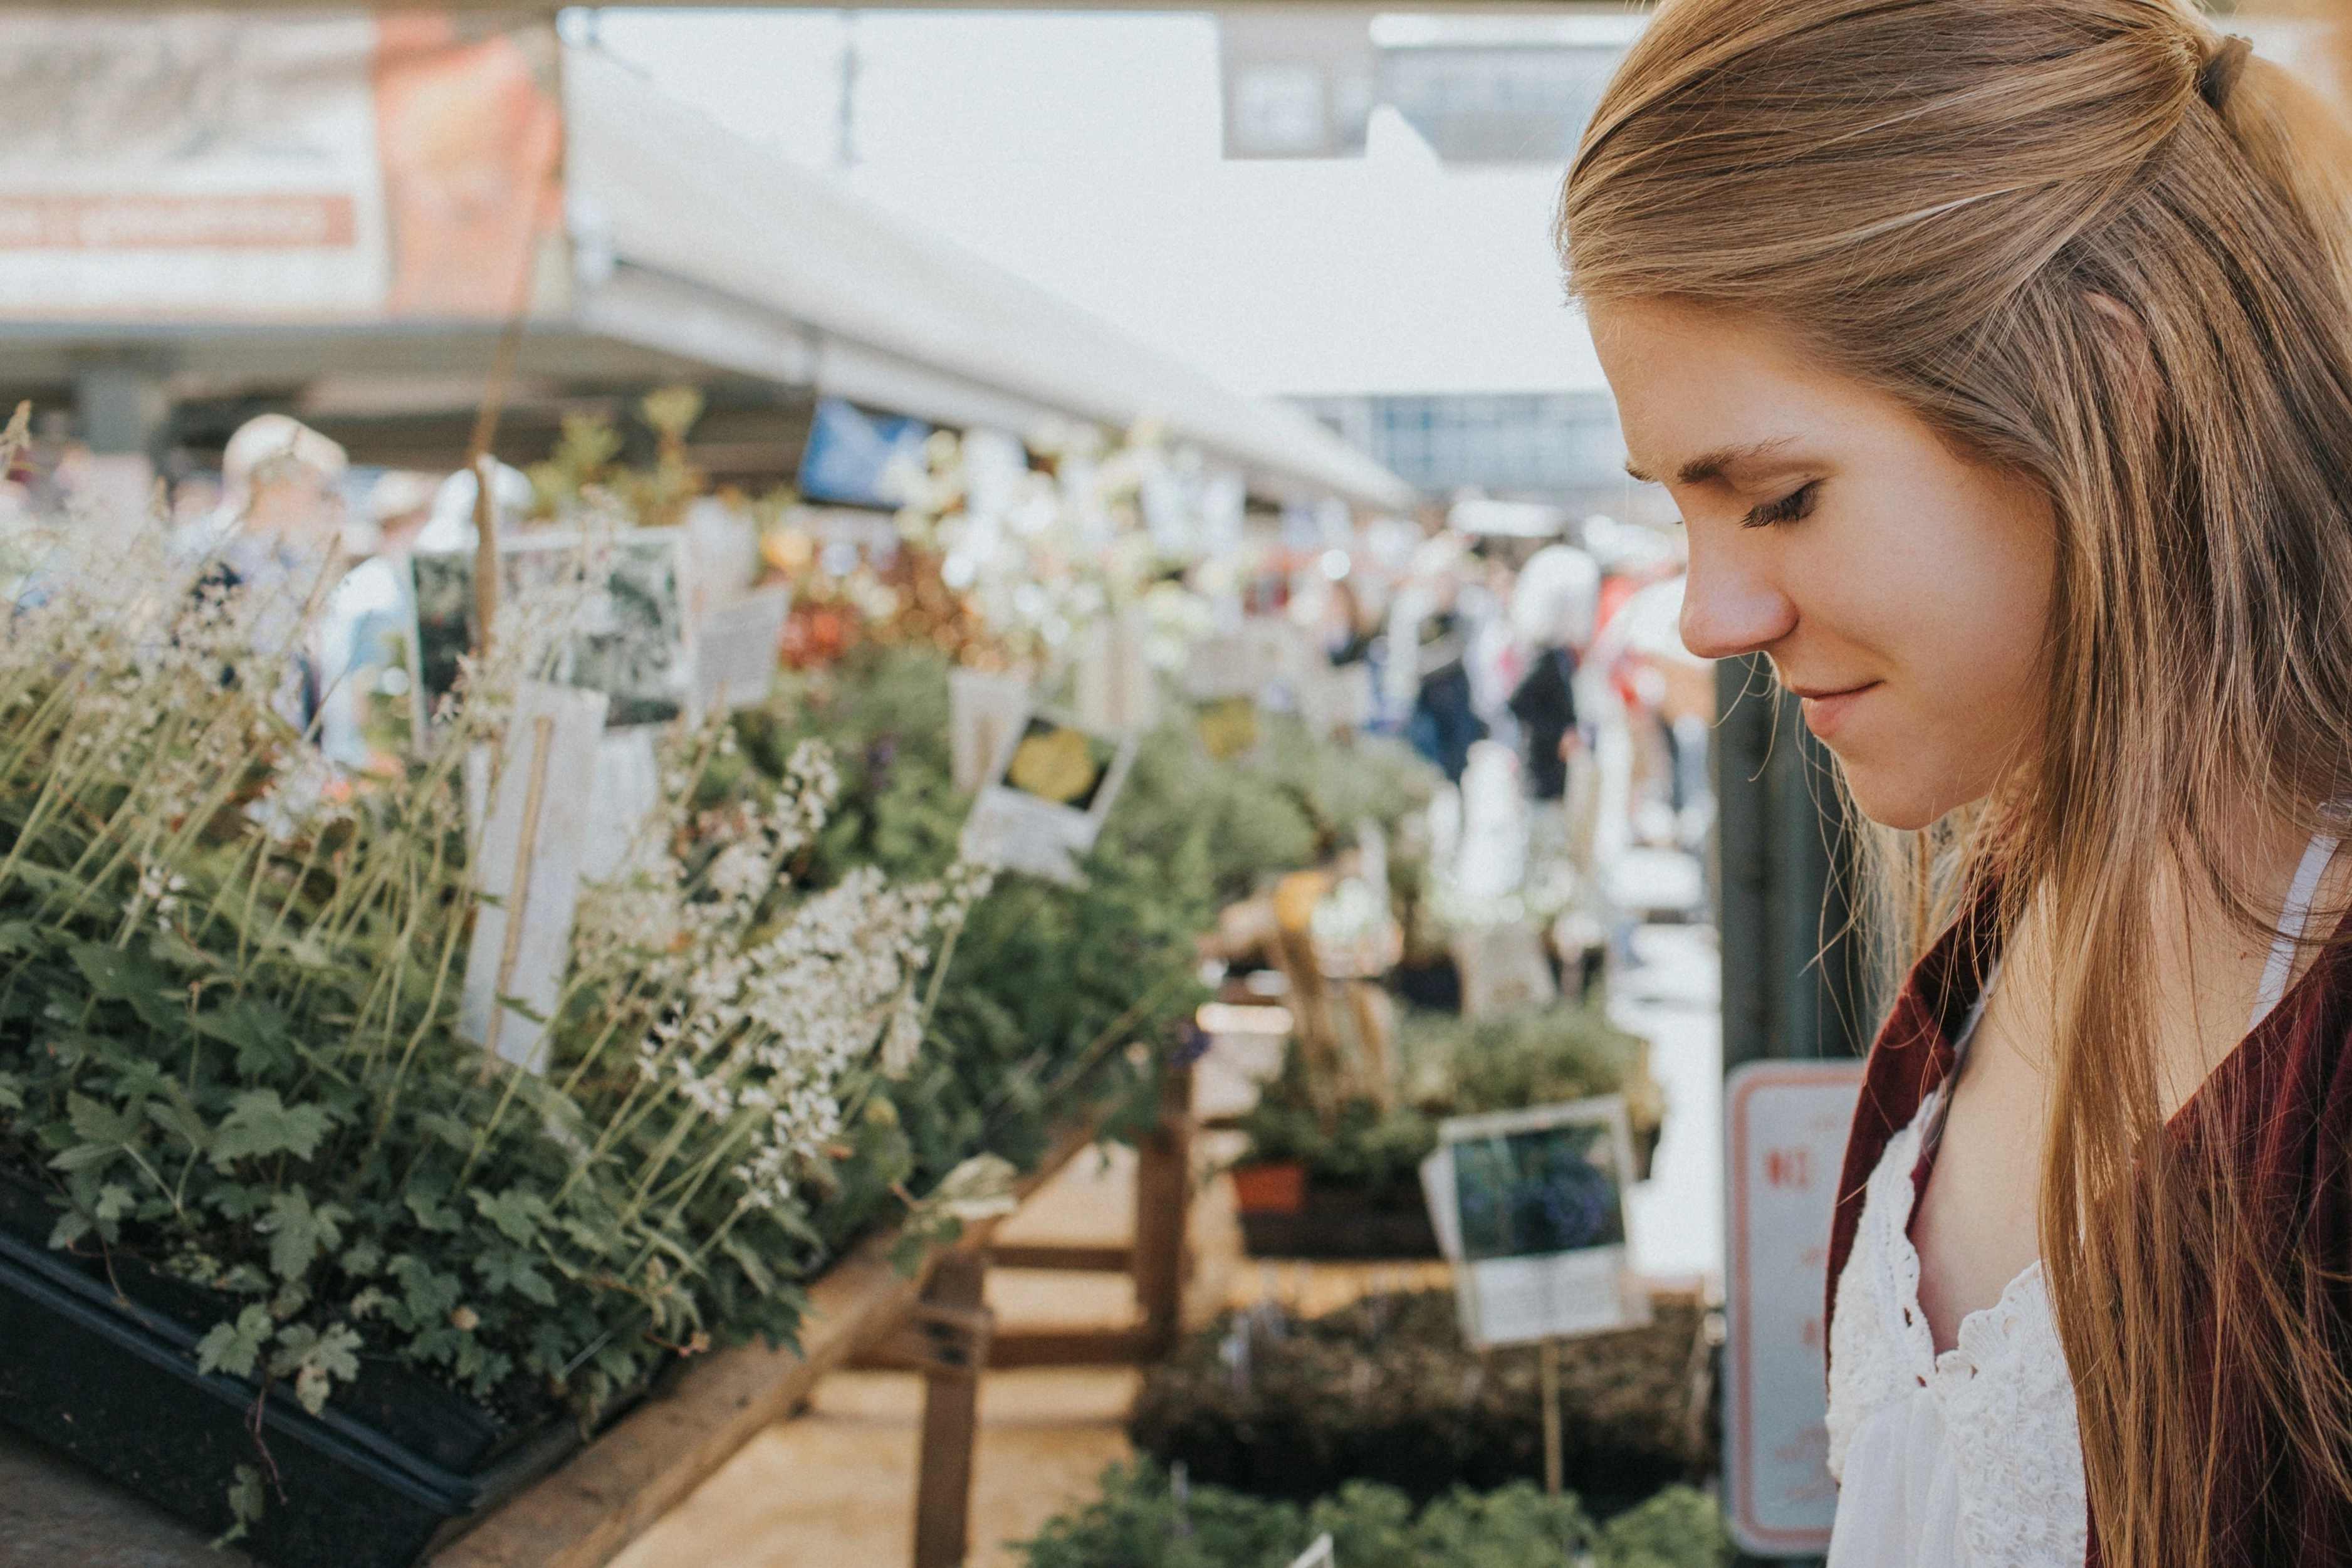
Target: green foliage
1450, 1067
228, 1040
1144, 1520
1679, 1526
1387, 1388
1048, 985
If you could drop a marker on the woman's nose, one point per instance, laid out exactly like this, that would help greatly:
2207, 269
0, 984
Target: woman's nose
1729, 608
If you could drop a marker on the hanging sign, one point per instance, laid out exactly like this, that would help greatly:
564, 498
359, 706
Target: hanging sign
1784, 1144
197, 164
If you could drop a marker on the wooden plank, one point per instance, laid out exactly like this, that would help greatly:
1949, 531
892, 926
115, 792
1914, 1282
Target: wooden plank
609, 1493
1068, 1255
1073, 1347
951, 1418
585, 1512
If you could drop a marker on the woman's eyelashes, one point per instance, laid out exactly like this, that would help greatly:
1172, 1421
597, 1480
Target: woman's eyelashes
1790, 507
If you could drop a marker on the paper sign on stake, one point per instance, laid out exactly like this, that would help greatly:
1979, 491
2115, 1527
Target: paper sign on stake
736, 649
1529, 1206
533, 828
1116, 688
1050, 790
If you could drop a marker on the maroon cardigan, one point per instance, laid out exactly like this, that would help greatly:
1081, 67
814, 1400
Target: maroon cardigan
2283, 1098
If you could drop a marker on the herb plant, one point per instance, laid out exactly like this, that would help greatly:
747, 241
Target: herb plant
229, 979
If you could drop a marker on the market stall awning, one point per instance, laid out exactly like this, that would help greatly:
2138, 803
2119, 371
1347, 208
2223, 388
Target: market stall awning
336, 214
692, 240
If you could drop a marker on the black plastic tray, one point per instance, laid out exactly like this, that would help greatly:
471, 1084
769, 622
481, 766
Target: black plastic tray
114, 1382
1337, 1231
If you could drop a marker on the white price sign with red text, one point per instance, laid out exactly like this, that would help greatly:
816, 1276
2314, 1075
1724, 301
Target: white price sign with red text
1784, 1144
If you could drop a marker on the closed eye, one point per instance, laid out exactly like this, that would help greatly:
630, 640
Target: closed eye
1791, 508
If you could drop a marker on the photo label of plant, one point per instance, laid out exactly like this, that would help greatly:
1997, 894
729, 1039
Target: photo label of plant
1530, 1207
1052, 789
628, 641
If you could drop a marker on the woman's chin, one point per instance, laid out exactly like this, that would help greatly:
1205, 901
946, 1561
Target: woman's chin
1893, 801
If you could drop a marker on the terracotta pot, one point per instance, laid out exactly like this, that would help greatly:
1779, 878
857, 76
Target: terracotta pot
1279, 1186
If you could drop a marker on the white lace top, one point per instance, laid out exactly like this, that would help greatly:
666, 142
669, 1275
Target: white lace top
1971, 1458
1967, 1459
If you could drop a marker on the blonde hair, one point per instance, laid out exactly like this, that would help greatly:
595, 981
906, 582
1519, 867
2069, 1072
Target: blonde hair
2092, 244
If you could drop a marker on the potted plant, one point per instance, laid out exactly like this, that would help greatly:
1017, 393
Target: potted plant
1359, 1162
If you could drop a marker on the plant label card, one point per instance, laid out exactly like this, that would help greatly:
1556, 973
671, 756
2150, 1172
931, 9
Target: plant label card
1049, 792
1503, 969
626, 789
985, 711
533, 830
1321, 1555
1229, 665
1334, 699
1529, 1206
737, 650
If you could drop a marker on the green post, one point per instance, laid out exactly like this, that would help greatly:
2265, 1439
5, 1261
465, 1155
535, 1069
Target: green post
1794, 980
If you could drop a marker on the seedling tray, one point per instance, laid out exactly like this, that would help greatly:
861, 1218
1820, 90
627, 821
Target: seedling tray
114, 1384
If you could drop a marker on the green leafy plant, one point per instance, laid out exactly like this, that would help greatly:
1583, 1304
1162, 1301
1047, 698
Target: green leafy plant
1450, 1067
228, 1044
1147, 1518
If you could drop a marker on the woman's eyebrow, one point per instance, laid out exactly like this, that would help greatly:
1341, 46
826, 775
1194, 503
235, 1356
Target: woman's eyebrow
1712, 465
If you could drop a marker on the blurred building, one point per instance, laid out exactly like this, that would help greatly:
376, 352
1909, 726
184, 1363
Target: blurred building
1484, 97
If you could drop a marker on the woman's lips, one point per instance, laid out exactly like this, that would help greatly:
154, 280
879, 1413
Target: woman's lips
1827, 709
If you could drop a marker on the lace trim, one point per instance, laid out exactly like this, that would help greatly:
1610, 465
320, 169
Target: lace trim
2003, 1390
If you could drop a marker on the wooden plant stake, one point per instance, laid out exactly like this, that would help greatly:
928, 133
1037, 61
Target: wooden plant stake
543, 740
478, 457
1548, 1364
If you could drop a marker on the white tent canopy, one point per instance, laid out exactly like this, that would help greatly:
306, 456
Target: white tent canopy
691, 241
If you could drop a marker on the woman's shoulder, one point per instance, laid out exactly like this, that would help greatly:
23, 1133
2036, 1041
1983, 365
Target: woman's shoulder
2284, 1098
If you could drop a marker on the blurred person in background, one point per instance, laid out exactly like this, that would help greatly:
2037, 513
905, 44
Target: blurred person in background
1553, 605
1428, 642
278, 536
363, 639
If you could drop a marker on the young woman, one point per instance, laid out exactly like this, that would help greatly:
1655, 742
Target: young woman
1999, 354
